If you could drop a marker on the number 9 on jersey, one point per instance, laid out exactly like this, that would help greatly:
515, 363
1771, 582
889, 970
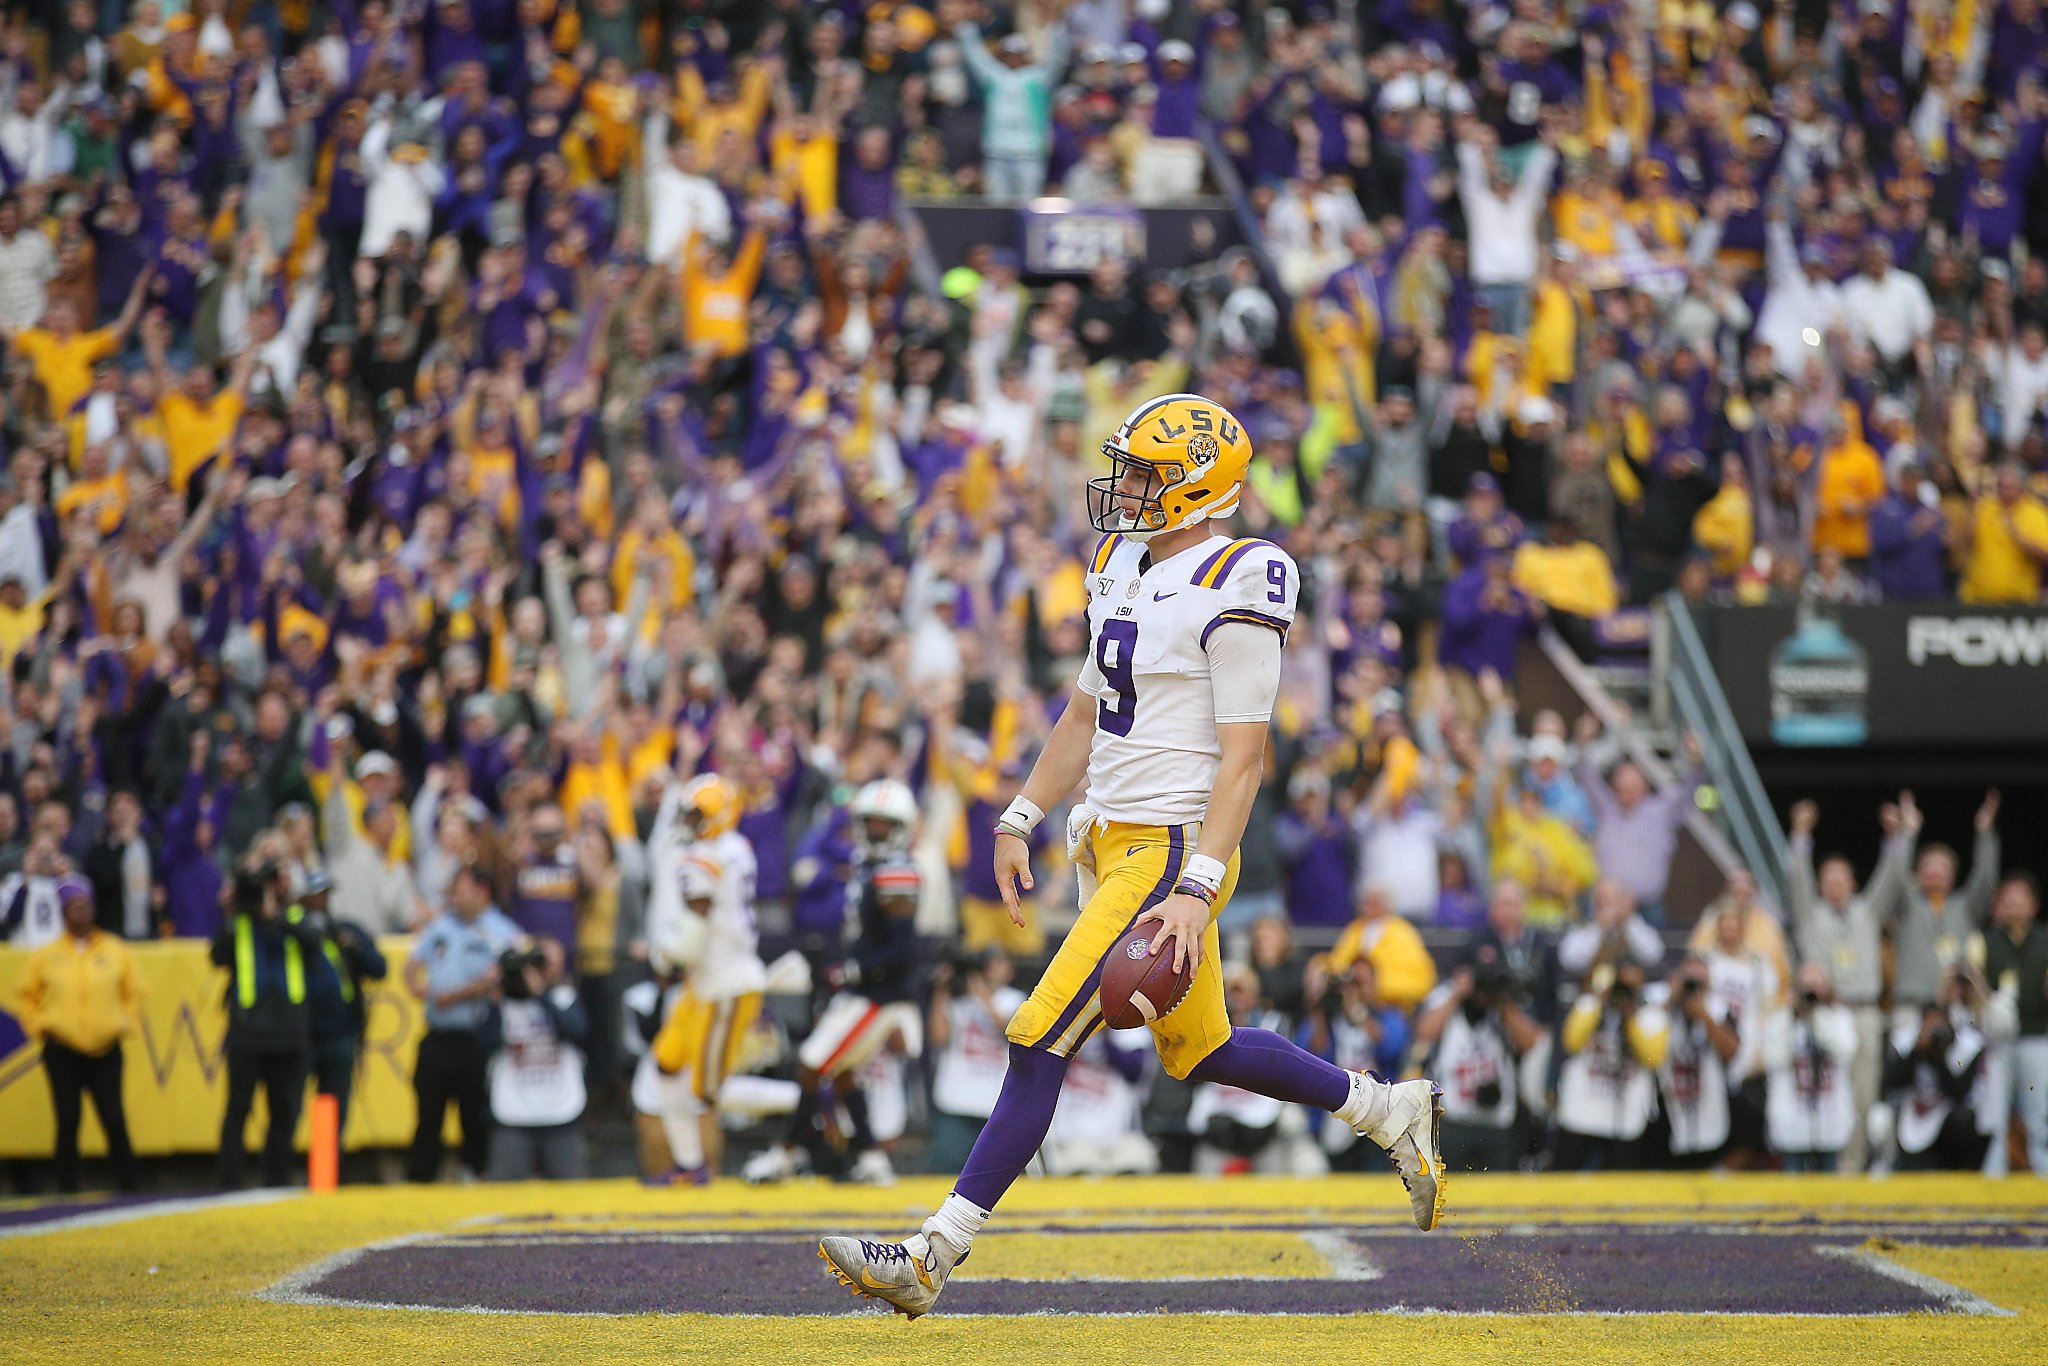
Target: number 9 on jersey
1117, 705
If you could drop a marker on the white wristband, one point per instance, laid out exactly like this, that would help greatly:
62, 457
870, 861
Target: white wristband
1205, 871
1023, 813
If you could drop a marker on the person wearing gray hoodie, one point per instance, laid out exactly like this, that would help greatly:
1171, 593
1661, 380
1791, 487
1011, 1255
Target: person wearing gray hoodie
1931, 921
1397, 476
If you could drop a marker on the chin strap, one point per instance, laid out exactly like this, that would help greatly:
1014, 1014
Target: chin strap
1227, 507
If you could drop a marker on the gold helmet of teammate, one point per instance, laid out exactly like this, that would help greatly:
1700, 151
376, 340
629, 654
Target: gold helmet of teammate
1175, 461
711, 806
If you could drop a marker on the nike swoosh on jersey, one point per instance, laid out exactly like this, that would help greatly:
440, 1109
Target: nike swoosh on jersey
1161, 597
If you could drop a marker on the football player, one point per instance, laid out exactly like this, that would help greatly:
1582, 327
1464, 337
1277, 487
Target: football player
701, 920
873, 990
1168, 726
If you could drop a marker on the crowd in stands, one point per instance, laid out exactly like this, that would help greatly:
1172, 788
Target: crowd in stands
431, 428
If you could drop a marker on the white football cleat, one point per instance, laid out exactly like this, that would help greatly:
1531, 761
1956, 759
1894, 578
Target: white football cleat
778, 1163
907, 1276
1415, 1111
872, 1168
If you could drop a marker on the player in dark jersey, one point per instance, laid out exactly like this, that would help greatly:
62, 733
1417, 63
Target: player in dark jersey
873, 991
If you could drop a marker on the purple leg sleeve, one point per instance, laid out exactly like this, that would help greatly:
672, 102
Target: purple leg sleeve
1023, 1113
1272, 1065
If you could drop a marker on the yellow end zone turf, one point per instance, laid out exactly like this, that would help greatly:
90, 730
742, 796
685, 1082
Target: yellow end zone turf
183, 1286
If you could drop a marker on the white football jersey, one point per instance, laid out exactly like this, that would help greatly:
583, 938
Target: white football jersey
729, 963
1155, 754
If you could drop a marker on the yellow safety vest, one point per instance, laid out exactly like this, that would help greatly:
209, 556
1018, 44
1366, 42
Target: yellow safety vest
348, 988
245, 965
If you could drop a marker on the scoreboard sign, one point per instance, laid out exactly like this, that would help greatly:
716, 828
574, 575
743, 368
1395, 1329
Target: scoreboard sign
1060, 239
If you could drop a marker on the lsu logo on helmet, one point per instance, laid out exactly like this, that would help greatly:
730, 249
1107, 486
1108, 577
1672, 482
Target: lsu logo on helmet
1174, 462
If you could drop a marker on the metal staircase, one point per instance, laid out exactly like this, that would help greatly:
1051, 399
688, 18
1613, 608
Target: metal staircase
1647, 712
1687, 694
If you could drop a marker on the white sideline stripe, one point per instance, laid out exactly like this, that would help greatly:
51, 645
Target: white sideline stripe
1347, 1263
296, 1288
1959, 1300
129, 1214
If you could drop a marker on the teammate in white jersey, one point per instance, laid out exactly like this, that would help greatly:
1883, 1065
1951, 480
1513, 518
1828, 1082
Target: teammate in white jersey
1168, 724
701, 920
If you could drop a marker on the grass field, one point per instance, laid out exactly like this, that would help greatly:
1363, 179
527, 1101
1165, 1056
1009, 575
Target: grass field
1528, 1269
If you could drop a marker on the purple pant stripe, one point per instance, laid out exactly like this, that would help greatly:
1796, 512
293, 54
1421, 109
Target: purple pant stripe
1175, 846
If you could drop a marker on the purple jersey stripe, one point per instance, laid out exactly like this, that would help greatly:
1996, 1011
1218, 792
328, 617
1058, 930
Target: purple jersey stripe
1201, 574
1245, 614
1222, 574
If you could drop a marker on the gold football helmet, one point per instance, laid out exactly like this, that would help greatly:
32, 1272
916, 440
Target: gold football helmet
711, 806
1175, 461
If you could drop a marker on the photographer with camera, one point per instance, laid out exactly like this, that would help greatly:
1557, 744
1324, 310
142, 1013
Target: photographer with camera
972, 1002
1351, 1023
1473, 1033
1841, 930
454, 969
1614, 1040
1746, 985
1529, 955
268, 957
1694, 1073
31, 907
1810, 1064
1615, 935
348, 958
533, 1034
1932, 1072
2016, 959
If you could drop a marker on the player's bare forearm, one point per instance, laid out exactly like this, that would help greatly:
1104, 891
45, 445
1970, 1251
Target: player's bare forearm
1063, 763
1238, 777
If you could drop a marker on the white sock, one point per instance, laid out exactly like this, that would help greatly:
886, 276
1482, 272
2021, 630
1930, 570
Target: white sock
1366, 1108
679, 1112
758, 1097
957, 1221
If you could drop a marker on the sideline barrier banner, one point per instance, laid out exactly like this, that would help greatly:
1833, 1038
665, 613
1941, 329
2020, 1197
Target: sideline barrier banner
1905, 674
174, 1075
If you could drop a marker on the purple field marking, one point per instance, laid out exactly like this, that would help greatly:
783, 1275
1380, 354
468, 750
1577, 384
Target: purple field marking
70, 1209
1551, 1271
61, 1216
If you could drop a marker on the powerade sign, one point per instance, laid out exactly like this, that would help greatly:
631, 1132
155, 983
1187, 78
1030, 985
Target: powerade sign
1820, 686
1978, 642
1062, 239
1905, 675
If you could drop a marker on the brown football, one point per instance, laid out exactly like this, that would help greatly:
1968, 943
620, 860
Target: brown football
1136, 987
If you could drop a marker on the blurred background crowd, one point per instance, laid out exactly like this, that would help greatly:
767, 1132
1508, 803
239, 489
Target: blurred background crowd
430, 427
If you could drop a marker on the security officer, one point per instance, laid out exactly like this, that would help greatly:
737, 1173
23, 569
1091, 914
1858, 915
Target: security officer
348, 959
267, 955
454, 971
